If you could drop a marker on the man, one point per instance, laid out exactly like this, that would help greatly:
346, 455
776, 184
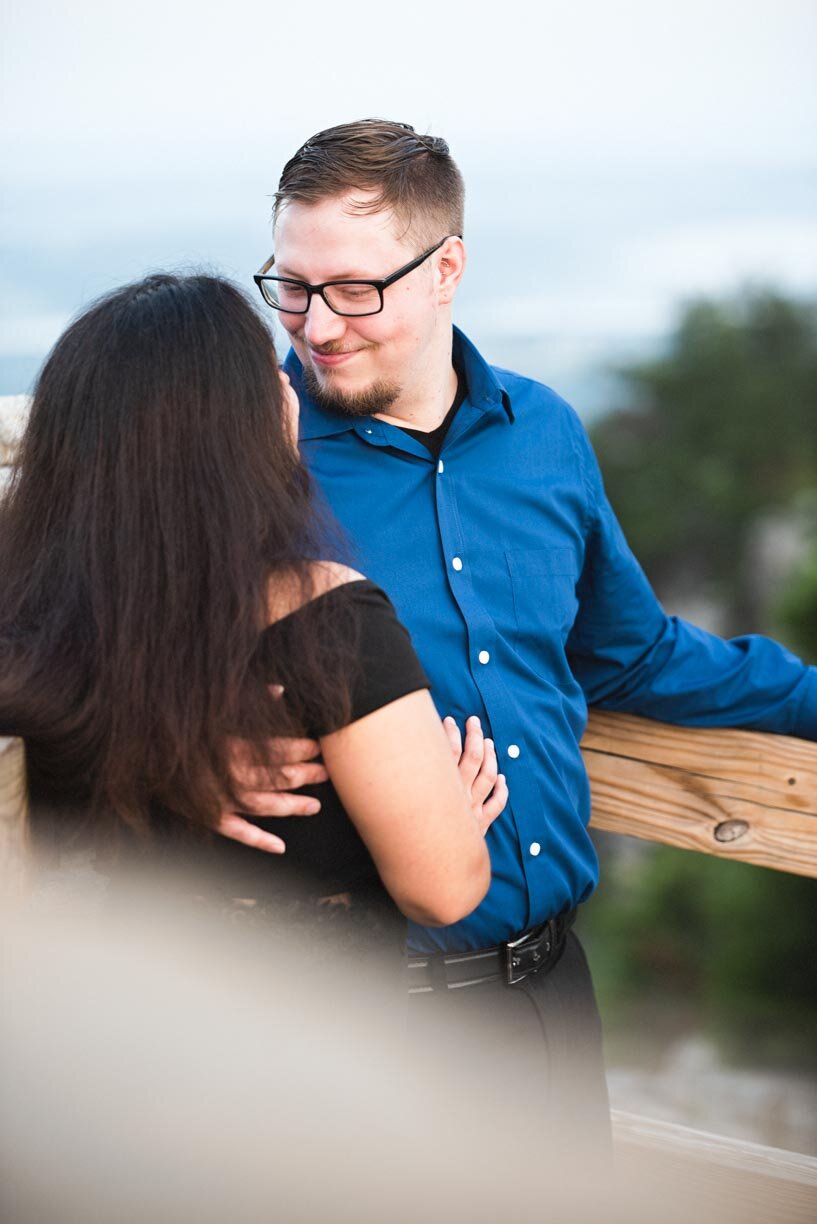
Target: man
473, 497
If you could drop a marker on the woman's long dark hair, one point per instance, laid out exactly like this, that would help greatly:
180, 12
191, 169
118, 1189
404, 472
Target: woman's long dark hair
156, 494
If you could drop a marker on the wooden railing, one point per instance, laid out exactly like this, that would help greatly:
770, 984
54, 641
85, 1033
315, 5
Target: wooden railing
736, 794
710, 1179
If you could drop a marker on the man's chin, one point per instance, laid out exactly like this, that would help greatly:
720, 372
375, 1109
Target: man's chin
363, 401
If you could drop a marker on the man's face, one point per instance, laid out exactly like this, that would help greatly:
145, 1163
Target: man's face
357, 365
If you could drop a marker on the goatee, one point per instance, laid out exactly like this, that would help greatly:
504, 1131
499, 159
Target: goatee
379, 397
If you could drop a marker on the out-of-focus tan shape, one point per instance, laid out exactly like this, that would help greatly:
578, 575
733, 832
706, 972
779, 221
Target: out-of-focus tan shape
13, 417
713, 1177
13, 815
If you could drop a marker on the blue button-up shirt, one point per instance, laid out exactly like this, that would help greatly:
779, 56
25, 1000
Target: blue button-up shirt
524, 603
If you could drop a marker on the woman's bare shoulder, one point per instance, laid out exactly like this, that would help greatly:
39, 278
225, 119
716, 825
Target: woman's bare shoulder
288, 592
327, 575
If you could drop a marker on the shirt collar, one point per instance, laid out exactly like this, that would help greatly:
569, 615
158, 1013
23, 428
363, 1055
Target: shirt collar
485, 391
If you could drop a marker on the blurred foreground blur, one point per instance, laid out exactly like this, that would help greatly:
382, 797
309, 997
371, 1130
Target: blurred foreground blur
162, 1064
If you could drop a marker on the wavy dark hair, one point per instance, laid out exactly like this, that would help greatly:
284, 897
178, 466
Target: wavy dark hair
156, 495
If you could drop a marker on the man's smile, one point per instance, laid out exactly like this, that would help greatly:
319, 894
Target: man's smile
329, 357
332, 359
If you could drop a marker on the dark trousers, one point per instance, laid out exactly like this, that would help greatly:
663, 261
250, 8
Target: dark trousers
532, 1051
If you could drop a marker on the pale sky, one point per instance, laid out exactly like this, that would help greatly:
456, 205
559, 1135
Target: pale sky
706, 79
619, 157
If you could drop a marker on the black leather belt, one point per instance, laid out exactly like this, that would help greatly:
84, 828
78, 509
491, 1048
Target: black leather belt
535, 951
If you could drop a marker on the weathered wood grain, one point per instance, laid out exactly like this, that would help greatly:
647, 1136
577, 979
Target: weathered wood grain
734, 794
777, 769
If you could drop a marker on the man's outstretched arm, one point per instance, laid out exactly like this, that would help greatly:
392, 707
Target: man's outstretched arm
628, 655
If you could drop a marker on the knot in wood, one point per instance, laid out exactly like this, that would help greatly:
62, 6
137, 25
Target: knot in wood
731, 830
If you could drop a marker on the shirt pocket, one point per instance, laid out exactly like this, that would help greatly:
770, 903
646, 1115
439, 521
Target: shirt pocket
543, 584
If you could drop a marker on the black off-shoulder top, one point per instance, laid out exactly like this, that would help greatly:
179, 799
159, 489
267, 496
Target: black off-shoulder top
324, 855
325, 851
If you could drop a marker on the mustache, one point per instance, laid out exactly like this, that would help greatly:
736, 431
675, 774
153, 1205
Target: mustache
334, 348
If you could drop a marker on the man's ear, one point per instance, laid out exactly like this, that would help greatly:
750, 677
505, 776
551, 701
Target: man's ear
450, 269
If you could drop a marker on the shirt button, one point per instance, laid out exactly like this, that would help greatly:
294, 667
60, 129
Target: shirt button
457, 563
484, 657
441, 467
535, 848
513, 750
368, 431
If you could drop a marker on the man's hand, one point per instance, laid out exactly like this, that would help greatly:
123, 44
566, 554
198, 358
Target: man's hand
478, 768
266, 792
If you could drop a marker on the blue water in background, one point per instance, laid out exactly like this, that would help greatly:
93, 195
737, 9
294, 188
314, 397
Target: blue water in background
571, 271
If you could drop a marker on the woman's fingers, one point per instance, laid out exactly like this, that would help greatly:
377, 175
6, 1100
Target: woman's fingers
452, 731
496, 804
472, 752
486, 778
479, 770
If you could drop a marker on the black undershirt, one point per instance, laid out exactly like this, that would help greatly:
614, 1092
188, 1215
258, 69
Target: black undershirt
434, 438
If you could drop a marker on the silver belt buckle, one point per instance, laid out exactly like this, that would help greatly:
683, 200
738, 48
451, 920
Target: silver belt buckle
525, 954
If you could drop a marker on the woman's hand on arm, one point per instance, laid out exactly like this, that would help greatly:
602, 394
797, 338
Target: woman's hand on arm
421, 816
477, 765
268, 792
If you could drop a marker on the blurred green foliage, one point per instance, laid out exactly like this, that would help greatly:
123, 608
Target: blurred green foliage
720, 431
682, 942
797, 609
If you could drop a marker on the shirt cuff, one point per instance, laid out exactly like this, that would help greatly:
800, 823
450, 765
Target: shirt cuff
804, 723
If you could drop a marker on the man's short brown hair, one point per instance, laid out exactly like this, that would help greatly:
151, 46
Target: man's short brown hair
414, 176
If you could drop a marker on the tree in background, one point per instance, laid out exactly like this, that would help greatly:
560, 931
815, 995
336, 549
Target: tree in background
721, 430
797, 610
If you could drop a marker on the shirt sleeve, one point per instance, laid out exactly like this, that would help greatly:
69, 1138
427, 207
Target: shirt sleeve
628, 655
387, 666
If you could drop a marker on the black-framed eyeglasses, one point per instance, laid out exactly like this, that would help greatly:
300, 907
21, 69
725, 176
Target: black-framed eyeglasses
350, 298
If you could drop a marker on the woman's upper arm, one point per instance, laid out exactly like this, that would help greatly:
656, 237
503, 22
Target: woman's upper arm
397, 779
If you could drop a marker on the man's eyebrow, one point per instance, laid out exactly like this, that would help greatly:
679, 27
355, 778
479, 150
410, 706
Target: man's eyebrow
283, 270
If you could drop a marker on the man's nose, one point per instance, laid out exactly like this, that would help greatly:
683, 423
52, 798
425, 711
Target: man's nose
322, 324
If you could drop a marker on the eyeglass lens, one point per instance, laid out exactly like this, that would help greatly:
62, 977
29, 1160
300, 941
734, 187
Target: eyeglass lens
351, 299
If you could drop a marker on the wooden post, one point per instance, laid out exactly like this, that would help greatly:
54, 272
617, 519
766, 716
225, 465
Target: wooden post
13, 816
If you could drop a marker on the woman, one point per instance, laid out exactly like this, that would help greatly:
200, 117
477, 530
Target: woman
166, 597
